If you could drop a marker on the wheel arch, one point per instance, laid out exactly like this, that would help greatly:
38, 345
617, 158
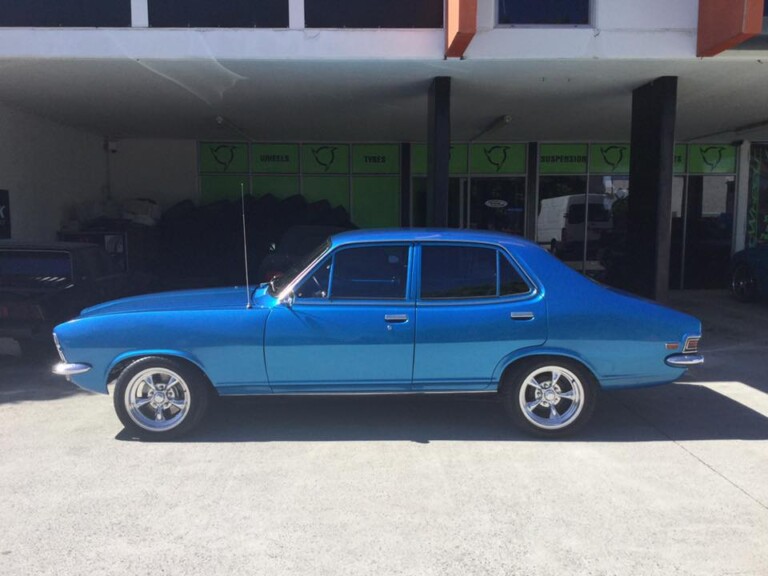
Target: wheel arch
516, 359
124, 360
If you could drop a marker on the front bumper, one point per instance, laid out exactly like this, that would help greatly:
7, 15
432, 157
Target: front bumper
684, 360
67, 369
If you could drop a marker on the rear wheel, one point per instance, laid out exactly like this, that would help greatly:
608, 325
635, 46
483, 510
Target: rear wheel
743, 283
160, 398
549, 396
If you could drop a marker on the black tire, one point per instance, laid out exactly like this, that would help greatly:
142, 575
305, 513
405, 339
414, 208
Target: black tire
573, 396
743, 283
174, 391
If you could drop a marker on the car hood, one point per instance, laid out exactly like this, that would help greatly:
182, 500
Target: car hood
205, 299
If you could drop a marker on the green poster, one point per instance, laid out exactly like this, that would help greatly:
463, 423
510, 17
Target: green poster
497, 158
711, 159
215, 187
681, 151
457, 163
223, 157
275, 158
335, 189
278, 186
325, 159
375, 159
376, 201
609, 159
563, 159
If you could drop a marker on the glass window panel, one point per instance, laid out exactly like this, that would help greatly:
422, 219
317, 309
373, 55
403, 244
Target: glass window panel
457, 272
371, 272
217, 14
562, 12
606, 222
382, 14
559, 227
510, 282
316, 284
55, 13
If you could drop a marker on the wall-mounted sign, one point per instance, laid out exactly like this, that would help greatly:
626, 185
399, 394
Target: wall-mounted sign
223, 157
325, 159
275, 158
609, 158
375, 158
563, 159
5, 214
711, 159
497, 158
457, 164
681, 153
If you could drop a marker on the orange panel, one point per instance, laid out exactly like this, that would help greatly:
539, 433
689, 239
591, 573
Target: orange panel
724, 24
460, 26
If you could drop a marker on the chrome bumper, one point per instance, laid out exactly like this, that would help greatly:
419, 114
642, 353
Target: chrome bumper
684, 360
66, 369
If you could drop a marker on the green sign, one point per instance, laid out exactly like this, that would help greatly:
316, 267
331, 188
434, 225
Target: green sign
223, 157
711, 159
457, 164
376, 201
375, 158
325, 159
216, 187
278, 186
681, 152
275, 158
609, 158
497, 158
563, 159
334, 189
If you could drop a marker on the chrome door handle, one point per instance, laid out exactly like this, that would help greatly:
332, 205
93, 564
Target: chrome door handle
396, 318
522, 316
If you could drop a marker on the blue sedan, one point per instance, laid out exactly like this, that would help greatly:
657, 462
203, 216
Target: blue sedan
384, 312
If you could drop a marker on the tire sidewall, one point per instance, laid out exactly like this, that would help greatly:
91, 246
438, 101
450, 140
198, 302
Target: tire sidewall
515, 378
198, 396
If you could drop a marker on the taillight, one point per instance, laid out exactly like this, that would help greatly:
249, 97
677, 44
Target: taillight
691, 345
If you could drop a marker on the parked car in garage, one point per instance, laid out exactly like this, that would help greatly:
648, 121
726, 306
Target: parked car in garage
389, 311
749, 273
42, 285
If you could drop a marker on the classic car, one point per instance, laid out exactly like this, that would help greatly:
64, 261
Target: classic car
387, 311
44, 284
749, 273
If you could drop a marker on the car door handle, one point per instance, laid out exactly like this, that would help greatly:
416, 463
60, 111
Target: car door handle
396, 318
522, 316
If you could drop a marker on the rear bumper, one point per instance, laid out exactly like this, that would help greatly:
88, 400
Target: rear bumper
684, 360
67, 369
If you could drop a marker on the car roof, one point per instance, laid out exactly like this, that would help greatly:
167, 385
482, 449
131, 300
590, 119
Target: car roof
429, 235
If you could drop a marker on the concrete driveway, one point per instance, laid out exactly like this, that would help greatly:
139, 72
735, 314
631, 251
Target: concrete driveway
669, 480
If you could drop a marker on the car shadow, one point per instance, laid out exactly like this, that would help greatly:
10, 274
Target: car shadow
676, 412
25, 380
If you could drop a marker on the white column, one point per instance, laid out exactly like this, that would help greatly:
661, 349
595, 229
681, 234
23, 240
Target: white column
139, 14
741, 201
296, 14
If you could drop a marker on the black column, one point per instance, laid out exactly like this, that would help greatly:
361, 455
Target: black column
654, 107
438, 151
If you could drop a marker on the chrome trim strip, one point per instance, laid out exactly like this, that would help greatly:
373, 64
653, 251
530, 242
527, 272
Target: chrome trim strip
684, 360
66, 369
394, 393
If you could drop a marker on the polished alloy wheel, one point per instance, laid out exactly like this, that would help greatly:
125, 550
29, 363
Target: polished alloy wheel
157, 399
551, 397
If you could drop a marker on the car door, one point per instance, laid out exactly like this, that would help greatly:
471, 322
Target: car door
349, 326
474, 308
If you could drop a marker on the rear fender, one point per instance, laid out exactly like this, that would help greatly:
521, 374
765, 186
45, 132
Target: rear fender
537, 351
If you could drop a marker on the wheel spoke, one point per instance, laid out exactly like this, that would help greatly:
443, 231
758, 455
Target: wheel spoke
150, 381
142, 402
178, 403
171, 383
553, 413
555, 376
569, 395
533, 382
532, 405
159, 414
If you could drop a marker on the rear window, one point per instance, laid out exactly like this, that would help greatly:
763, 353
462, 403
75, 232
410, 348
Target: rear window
29, 268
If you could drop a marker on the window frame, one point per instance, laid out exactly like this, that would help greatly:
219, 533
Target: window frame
589, 25
501, 252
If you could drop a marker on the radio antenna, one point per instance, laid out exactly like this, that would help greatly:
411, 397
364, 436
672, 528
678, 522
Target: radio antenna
245, 248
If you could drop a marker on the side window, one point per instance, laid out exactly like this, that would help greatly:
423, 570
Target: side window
510, 281
370, 272
457, 272
316, 284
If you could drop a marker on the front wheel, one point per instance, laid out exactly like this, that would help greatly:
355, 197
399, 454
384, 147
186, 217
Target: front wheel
160, 398
549, 396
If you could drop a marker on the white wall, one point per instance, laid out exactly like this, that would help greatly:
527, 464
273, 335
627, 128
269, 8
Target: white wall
163, 170
47, 168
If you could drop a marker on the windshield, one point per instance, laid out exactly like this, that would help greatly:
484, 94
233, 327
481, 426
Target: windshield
278, 284
34, 269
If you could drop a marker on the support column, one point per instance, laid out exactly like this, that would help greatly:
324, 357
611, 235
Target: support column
654, 107
438, 151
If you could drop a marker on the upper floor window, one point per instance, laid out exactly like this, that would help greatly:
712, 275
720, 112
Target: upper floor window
57, 13
379, 14
218, 14
544, 12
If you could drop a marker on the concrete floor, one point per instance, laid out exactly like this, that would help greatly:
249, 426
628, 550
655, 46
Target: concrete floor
669, 480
